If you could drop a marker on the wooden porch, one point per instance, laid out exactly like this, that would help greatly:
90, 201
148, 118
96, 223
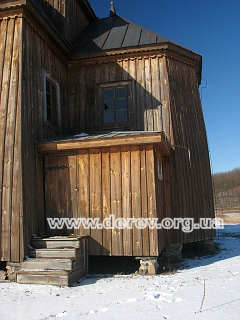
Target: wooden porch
125, 174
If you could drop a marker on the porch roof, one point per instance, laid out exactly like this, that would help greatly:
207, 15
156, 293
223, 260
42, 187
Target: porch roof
105, 139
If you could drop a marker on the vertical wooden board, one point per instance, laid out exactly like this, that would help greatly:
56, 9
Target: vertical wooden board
51, 191
97, 96
39, 84
176, 179
12, 143
149, 125
61, 186
73, 189
90, 116
144, 201
83, 180
167, 195
73, 97
3, 37
34, 126
16, 188
125, 70
113, 67
47, 189
126, 199
156, 95
190, 142
203, 161
40, 191
187, 172
163, 81
106, 203
183, 155
133, 98
196, 153
165, 74
160, 201
116, 205
5, 146
136, 199
96, 200
27, 132
64, 96
140, 94
153, 236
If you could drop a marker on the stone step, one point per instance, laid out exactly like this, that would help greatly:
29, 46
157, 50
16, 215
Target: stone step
56, 243
47, 264
50, 277
72, 253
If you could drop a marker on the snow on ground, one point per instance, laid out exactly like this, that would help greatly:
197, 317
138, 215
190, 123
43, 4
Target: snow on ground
174, 296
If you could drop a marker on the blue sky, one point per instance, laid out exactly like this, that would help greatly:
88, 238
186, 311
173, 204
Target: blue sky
211, 28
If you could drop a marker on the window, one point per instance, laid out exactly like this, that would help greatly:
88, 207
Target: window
115, 105
52, 116
160, 168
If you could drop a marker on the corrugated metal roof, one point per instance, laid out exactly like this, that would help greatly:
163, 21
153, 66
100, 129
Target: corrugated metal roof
115, 32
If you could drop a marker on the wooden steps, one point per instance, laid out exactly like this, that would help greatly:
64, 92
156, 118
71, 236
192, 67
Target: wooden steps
57, 253
55, 261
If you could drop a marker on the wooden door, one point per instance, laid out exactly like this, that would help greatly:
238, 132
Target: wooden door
60, 190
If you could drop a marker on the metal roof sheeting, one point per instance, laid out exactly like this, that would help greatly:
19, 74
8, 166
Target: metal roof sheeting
114, 32
102, 135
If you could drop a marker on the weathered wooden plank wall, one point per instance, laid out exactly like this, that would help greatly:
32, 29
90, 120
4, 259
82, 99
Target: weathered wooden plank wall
191, 183
38, 56
67, 16
116, 180
147, 77
10, 139
164, 96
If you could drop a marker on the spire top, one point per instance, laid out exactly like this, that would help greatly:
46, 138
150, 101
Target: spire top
112, 10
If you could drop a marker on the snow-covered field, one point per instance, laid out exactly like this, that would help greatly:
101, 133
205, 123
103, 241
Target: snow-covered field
168, 296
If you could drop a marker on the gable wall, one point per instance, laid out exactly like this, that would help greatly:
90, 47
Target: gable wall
68, 16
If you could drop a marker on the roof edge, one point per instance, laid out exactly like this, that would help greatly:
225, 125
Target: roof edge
88, 10
136, 138
148, 48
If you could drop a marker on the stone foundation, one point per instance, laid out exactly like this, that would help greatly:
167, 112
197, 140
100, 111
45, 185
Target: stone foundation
2, 275
148, 266
12, 268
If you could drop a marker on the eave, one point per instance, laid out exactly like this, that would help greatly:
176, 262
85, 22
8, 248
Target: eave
156, 138
140, 51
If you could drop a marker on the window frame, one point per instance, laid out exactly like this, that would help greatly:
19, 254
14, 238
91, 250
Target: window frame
160, 167
114, 85
56, 126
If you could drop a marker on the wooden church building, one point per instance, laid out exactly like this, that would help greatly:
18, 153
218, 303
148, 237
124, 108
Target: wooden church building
98, 117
